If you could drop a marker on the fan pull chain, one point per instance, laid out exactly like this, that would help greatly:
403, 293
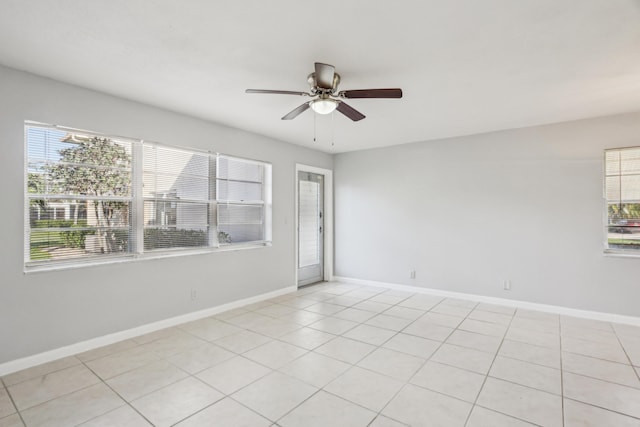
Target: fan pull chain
333, 130
314, 126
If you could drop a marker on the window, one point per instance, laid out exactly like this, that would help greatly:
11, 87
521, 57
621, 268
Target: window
78, 195
93, 197
240, 187
622, 194
179, 198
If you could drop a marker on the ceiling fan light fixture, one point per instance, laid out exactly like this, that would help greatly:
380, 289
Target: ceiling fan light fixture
323, 105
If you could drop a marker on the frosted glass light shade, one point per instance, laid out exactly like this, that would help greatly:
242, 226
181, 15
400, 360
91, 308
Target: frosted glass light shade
323, 106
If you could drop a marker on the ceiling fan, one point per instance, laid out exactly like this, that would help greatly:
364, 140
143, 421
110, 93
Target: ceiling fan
326, 97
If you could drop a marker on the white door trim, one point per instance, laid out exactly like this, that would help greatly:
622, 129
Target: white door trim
328, 219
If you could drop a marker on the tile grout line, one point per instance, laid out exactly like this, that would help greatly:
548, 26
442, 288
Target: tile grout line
12, 402
379, 413
633, 417
298, 405
45, 374
199, 410
225, 395
53, 398
489, 370
375, 314
165, 359
277, 370
319, 389
393, 419
526, 361
475, 307
118, 394
626, 353
253, 410
428, 358
588, 376
574, 353
571, 352
356, 340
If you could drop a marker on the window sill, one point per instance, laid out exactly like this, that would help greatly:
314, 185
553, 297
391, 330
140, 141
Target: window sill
39, 268
621, 254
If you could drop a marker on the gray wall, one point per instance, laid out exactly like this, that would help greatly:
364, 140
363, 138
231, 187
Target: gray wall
468, 213
44, 311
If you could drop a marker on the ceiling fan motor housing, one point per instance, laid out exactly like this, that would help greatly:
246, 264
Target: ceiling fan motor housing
311, 79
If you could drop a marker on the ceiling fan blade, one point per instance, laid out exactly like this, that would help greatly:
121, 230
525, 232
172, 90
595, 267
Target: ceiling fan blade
277, 92
371, 93
324, 75
296, 111
350, 112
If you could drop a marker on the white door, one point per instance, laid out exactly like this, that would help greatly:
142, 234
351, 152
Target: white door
310, 228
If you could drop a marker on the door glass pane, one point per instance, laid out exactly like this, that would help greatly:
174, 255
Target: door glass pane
309, 222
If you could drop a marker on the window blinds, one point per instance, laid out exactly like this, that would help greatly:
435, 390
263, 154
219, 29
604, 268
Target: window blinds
241, 207
78, 195
91, 196
179, 198
622, 194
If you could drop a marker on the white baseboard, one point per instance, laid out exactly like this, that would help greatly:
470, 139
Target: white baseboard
596, 315
70, 350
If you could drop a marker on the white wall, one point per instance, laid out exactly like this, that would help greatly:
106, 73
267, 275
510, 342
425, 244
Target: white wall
44, 311
468, 213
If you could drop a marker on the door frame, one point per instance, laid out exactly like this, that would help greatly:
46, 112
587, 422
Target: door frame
327, 235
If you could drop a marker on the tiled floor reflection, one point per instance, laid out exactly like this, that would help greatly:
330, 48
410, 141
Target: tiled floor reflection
345, 355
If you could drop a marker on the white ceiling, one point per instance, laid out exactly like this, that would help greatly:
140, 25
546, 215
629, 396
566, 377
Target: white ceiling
466, 66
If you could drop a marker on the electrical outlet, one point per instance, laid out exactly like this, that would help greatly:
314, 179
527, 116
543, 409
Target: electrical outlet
412, 274
507, 285
194, 294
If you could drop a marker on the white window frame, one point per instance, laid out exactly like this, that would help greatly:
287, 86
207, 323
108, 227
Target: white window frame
621, 252
136, 250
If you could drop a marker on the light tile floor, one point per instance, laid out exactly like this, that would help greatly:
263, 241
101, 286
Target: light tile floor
344, 355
